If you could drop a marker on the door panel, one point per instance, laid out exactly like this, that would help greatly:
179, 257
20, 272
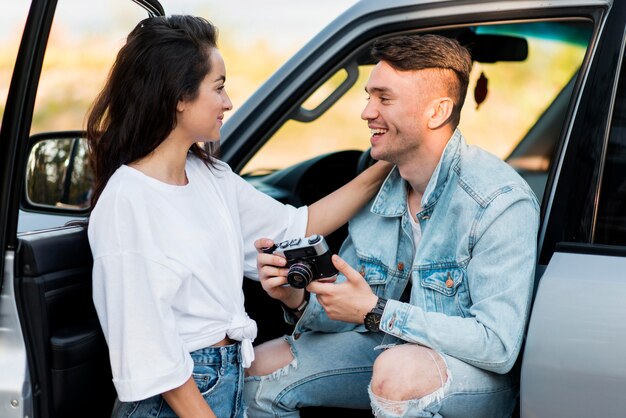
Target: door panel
67, 351
574, 363
15, 394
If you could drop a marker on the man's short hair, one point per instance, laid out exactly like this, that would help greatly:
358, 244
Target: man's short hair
420, 52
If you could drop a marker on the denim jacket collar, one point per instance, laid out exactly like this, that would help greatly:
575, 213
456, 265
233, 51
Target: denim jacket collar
392, 196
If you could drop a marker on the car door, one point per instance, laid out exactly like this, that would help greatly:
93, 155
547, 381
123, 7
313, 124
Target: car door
16, 396
53, 356
573, 363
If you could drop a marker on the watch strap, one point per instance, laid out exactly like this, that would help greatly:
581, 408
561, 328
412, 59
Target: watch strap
373, 317
379, 308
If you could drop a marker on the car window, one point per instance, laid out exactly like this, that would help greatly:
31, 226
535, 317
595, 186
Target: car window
13, 20
610, 226
504, 102
84, 39
339, 128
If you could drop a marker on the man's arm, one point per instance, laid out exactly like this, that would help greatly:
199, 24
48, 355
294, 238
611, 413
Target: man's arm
500, 277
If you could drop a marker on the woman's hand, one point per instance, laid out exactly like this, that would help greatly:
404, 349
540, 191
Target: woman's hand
273, 276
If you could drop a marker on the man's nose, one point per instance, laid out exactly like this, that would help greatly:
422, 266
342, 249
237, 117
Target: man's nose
369, 112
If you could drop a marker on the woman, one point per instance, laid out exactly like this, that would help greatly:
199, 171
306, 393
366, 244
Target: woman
172, 228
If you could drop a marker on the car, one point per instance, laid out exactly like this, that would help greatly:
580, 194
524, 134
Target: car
547, 96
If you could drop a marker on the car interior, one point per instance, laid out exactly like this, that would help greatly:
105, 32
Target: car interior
66, 347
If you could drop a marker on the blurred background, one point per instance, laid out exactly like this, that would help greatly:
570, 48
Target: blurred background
255, 39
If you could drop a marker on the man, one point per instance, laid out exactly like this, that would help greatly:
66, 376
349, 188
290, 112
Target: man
437, 270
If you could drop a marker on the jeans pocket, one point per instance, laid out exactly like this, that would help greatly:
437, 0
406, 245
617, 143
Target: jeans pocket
206, 378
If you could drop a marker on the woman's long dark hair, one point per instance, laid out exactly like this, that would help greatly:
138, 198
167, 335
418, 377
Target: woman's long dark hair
163, 61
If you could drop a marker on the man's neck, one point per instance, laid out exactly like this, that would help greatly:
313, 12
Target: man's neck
418, 170
415, 201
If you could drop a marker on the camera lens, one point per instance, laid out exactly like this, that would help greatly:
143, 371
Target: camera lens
300, 274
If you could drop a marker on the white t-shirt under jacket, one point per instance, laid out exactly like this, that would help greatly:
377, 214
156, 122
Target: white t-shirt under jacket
169, 263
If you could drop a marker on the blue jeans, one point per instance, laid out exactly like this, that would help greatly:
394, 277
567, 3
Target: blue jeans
335, 369
329, 369
218, 374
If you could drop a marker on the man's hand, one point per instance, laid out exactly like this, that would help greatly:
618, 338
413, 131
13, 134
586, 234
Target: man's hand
273, 276
348, 301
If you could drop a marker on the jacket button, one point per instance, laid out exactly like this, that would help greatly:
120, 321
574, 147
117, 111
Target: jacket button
362, 271
296, 335
401, 266
449, 282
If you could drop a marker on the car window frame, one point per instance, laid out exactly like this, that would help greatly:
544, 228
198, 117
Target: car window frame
18, 116
568, 215
360, 72
281, 95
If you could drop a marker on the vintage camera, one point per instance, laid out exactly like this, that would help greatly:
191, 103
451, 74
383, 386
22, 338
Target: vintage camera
308, 259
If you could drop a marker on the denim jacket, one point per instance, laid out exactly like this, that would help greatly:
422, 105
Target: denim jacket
472, 272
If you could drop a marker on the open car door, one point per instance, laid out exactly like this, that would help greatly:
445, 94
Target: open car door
53, 356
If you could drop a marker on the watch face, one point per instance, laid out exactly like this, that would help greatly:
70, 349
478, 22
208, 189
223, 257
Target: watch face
372, 322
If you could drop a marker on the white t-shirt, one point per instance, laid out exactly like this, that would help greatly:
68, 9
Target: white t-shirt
416, 228
169, 263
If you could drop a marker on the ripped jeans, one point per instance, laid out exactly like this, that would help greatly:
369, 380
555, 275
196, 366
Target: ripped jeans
335, 369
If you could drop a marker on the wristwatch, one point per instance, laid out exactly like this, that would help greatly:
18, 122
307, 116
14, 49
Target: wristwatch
373, 317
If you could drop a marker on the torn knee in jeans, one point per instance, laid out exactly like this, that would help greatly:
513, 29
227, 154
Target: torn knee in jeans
425, 393
387, 407
273, 359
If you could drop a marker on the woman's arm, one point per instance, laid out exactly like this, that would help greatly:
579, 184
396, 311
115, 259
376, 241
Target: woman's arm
187, 401
334, 210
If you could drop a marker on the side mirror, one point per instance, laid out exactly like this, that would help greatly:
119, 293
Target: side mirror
58, 175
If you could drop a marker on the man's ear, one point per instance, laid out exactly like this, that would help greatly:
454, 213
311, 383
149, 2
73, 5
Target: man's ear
440, 112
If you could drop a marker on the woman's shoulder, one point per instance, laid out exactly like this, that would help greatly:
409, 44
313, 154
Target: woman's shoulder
123, 183
126, 204
125, 191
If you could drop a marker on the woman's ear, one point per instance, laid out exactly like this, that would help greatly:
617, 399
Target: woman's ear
441, 111
180, 106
